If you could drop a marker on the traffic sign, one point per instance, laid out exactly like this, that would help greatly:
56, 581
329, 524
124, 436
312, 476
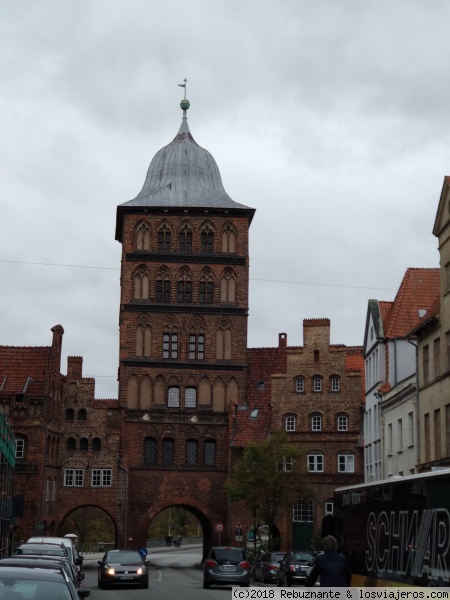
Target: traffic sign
143, 551
219, 527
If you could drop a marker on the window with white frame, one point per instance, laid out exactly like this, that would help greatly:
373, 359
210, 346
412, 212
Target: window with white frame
315, 463
346, 463
390, 438
334, 383
20, 448
317, 383
300, 385
73, 477
329, 507
173, 397
101, 477
290, 423
302, 511
316, 423
342, 423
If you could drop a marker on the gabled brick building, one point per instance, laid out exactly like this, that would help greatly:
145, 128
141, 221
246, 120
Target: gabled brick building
313, 392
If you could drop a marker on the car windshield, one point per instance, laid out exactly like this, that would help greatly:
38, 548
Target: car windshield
40, 549
124, 558
302, 557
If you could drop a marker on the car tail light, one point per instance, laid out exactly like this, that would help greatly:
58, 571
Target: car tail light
244, 564
210, 563
291, 567
273, 568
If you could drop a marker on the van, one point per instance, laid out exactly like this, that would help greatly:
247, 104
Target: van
68, 542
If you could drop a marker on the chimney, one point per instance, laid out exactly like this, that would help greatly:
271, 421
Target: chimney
282, 340
74, 367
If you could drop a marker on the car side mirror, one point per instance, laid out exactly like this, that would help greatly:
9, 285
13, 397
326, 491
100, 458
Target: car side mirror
79, 560
99, 562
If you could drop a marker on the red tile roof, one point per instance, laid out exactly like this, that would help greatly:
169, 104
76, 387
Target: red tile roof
262, 363
417, 291
106, 403
17, 364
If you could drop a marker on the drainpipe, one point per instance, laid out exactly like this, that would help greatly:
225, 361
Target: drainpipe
417, 439
125, 503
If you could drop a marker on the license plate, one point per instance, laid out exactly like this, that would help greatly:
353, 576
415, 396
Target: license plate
127, 577
228, 568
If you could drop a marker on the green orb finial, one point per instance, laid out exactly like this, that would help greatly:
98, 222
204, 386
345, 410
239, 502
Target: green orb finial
185, 104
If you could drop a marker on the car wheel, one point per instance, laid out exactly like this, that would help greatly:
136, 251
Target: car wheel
279, 584
206, 585
101, 585
245, 584
288, 581
145, 585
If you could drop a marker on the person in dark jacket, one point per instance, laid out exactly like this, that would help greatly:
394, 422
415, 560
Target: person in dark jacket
331, 566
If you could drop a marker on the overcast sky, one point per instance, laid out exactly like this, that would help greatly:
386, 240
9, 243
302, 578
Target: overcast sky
329, 117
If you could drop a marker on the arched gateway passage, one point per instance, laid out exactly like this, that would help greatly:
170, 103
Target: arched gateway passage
95, 528
180, 518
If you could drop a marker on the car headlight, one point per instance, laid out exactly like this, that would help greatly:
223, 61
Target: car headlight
110, 571
140, 571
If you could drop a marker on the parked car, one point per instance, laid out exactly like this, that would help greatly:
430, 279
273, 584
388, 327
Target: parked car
226, 566
266, 568
294, 568
38, 548
67, 541
45, 561
122, 567
22, 583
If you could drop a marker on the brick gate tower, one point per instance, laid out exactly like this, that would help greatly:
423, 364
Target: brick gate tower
183, 336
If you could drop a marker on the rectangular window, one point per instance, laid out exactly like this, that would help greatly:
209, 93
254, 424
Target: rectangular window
54, 490
335, 384
426, 364
329, 508
447, 428
196, 347
411, 429
101, 477
73, 477
437, 357
170, 345
317, 384
302, 511
210, 452
168, 451
342, 423
191, 452
300, 385
346, 463
426, 424
400, 434
447, 337
287, 464
315, 463
20, 448
437, 433
47, 491
390, 438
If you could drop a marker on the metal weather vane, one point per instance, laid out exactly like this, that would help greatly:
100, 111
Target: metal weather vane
183, 85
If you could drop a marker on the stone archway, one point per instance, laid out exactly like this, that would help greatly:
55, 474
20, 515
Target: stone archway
198, 511
90, 523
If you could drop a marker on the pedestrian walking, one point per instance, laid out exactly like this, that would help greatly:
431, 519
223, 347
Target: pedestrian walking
330, 566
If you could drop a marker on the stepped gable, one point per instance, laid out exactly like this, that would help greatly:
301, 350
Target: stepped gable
417, 291
249, 425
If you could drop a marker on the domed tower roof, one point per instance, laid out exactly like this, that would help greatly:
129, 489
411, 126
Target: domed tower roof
183, 175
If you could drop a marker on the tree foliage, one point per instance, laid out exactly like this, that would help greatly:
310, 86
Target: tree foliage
268, 479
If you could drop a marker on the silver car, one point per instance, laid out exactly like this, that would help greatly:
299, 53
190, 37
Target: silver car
226, 566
